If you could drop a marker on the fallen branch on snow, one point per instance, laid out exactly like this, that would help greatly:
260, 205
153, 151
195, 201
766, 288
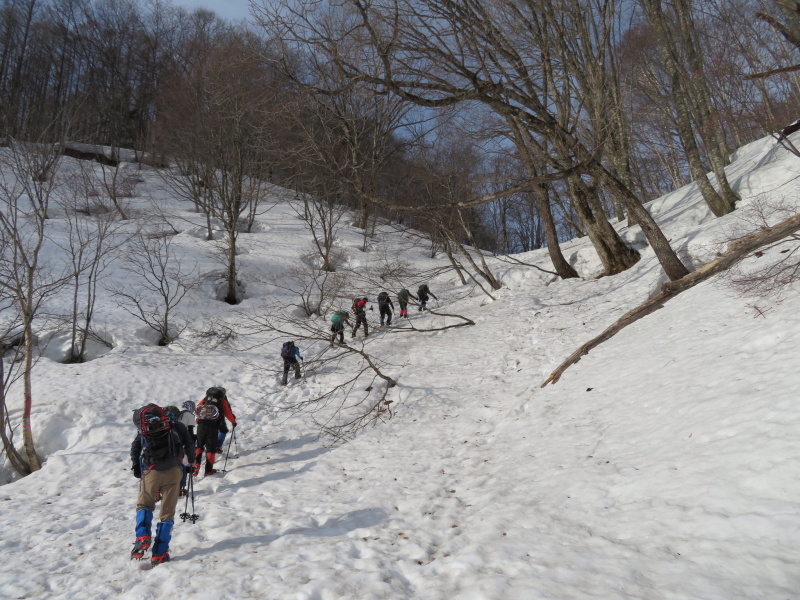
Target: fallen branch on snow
736, 251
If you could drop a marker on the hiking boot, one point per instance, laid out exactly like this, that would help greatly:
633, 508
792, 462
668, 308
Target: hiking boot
183, 492
157, 560
141, 546
210, 472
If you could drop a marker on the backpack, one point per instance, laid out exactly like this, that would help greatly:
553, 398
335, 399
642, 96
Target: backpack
208, 411
287, 351
423, 290
403, 295
339, 316
383, 298
155, 427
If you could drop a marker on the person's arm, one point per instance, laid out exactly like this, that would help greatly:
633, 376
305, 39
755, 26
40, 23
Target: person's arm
228, 412
187, 441
136, 453
433, 295
297, 352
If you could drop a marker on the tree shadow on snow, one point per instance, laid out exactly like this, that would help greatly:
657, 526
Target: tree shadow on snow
333, 527
259, 480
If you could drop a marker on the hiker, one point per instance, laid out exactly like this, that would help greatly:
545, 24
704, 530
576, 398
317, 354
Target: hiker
423, 292
385, 306
175, 415
211, 413
157, 454
290, 353
360, 311
338, 320
223, 427
402, 297
187, 418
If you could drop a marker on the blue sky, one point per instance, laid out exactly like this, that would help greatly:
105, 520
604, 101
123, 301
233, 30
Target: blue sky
229, 9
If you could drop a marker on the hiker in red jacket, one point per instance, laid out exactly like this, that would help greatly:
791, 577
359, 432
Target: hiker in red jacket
211, 413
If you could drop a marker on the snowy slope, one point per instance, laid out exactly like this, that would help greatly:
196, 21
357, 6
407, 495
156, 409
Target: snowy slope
662, 465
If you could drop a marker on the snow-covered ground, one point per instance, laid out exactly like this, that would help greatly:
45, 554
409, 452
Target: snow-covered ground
663, 465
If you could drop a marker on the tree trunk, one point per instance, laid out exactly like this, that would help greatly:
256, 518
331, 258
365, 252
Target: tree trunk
17, 461
562, 267
615, 255
27, 433
231, 296
672, 265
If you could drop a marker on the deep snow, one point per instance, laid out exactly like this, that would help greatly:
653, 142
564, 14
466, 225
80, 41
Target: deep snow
662, 465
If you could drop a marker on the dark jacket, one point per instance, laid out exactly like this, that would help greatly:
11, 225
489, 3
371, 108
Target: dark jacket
180, 444
385, 301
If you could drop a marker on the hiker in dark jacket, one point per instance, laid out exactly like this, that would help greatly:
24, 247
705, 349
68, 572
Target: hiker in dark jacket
210, 414
402, 297
338, 321
290, 361
157, 455
423, 292
385, 306
360, 310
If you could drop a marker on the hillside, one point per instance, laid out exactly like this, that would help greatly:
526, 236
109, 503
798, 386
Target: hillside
660, 466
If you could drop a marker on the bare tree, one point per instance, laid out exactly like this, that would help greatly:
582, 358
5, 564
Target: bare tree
315, 286
223, 147
694, 112
27, 187
443, 53
162, 282
93, 238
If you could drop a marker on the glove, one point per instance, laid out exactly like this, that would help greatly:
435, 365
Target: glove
372, 308
233, 425
137, 471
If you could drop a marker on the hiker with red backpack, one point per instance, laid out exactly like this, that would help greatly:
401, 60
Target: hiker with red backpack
360, 311
210, 415
157, 455
339, 319
402, 298
385, 307
290, 353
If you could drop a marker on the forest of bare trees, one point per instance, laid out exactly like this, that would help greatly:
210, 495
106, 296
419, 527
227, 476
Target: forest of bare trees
578, 111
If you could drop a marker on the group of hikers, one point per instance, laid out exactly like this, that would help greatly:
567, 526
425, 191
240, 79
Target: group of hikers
385, 307
165, 453
170, 442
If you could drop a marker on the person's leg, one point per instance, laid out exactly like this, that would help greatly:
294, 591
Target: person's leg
168, 484
145, 503
297, 369
286, 363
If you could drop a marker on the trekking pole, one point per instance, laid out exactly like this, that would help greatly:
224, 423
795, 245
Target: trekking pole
185, 516
235, 445
230, 441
